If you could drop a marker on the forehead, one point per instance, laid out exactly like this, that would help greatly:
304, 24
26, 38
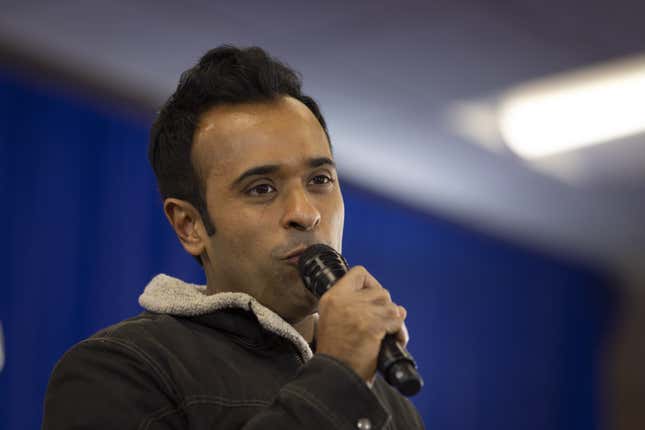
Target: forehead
232, 138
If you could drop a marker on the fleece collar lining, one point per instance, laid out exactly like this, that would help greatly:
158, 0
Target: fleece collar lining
167, 295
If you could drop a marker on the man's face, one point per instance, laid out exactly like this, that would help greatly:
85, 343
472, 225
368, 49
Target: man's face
271, 191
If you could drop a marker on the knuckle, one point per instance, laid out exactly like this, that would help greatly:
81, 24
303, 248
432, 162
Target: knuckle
388, 296
359, 270
403, 311
383, 295
393, 312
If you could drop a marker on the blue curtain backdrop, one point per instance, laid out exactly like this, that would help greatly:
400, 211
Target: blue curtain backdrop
506, 338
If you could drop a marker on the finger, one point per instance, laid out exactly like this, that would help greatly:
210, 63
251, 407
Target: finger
393, 322
400, 333
377, 296
402, 336
403, 312
385, 315
358, 278
371, 282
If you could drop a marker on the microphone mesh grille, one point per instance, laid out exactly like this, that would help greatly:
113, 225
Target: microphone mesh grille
320, 267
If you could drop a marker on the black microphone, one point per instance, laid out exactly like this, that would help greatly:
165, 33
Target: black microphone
320, 267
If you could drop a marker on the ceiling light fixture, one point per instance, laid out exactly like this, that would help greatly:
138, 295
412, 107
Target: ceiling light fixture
577, 109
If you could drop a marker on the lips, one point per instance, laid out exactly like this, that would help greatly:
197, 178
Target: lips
293, 260
293, 256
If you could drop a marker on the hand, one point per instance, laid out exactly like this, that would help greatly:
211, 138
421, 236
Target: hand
355, 315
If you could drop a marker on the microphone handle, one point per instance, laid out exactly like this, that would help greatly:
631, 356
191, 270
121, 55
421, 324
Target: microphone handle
320, 267
398, 367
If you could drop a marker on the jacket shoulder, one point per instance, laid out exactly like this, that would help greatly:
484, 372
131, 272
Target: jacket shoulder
133, 340
146, 323
108, 381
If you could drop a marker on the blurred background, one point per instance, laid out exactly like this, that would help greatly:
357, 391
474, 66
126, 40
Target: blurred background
492, 155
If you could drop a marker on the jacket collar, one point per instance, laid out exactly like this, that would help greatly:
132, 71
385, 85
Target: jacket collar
167, 295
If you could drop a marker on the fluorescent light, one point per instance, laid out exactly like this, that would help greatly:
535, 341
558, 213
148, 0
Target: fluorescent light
575, 110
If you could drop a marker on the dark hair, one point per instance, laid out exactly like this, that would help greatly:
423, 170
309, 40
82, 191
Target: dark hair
224, 75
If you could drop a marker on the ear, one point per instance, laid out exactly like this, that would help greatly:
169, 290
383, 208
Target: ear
187, 223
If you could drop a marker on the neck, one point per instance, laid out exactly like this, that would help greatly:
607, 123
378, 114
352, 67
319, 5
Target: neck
307, 327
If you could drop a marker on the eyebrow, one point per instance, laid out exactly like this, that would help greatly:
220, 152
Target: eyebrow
321, 161
259, 170
272, 168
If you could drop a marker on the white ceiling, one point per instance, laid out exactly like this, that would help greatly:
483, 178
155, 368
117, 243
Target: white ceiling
385, 74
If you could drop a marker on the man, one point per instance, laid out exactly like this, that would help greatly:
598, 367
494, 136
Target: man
245, 168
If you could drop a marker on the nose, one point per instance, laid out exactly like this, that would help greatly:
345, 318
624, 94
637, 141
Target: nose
299, 212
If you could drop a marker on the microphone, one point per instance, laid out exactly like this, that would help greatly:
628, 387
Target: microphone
320, 267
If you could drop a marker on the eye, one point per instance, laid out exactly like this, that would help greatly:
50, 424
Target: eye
321, 180
261, 190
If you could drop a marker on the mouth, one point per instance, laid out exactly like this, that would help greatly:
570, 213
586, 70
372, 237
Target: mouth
293, 256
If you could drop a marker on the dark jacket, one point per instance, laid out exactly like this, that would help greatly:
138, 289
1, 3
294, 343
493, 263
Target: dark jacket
221, 366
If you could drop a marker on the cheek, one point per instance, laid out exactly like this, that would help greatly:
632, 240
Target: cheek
242, 232
336, 222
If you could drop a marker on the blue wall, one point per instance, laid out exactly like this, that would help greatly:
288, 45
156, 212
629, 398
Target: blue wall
506, 338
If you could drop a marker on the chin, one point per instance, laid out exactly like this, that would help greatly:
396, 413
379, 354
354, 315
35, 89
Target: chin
299, 311
290, 299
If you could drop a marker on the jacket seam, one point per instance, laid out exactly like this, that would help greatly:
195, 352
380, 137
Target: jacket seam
198, 400
321, 407
157, 415
356, 380
192, 400
142, 355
